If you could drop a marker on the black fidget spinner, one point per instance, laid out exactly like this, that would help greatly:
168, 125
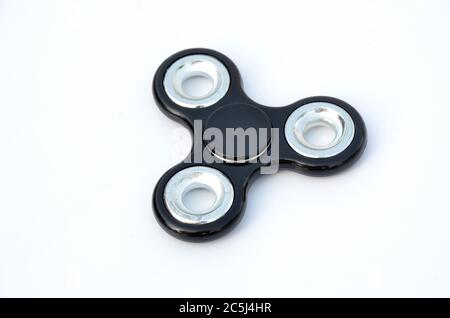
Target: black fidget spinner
236, 139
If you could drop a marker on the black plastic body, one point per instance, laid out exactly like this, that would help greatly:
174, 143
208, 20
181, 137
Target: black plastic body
242, 174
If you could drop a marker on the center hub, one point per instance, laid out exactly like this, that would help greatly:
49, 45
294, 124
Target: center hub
245, 132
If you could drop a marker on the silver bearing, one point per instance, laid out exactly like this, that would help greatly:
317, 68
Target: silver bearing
319, 114
198, 177
198, 65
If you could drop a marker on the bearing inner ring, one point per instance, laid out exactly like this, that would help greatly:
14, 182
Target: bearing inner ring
198, 177
198, 65
319, 114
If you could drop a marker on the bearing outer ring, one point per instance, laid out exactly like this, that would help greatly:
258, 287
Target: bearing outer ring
318, 113
196, 65
198, 177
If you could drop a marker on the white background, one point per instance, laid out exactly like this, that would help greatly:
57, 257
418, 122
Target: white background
82, 144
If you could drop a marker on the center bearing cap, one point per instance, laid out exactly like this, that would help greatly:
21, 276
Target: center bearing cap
244, 132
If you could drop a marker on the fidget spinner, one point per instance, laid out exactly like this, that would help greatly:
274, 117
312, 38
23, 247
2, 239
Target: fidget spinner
270, 137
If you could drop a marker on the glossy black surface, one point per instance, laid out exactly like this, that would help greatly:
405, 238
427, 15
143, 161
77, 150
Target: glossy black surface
236, 109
